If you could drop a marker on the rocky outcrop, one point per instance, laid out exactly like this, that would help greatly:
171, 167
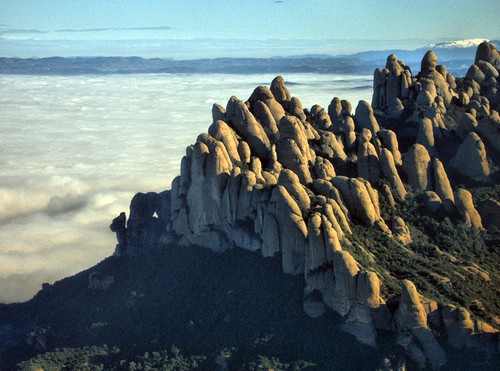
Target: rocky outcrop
368, 161
392, 87
148, 215
390, 172
466, 124
483, 75
246, 126
442, 185
292, 230
471, 159
489, 210
426, 135
293, 148
466, 333
362, 202
428, 71
99, 282
416, 166
364, 117
287, 182
489, 130
411, 318
400, 231
280, 91
465, 206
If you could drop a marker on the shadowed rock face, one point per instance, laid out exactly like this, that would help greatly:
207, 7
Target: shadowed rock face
272, 177
470, 159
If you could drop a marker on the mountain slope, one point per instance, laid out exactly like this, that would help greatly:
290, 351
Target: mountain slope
201, 302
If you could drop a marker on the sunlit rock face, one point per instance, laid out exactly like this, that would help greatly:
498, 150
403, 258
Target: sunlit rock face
287, 182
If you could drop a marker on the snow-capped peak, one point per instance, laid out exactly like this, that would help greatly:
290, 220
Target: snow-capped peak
467, 43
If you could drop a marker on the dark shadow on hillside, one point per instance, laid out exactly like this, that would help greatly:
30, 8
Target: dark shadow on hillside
191, 297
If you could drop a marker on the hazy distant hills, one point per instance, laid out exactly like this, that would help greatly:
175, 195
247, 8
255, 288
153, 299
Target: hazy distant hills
117, 65
458, 56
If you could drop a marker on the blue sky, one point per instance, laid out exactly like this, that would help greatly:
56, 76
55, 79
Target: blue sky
24, 23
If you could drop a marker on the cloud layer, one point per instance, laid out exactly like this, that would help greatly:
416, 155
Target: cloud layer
76, 149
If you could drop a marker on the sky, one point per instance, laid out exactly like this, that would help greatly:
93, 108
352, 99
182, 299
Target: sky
112, 26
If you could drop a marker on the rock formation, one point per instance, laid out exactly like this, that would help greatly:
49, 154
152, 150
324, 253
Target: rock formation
287, 182
465, 207
416, 165
471, 159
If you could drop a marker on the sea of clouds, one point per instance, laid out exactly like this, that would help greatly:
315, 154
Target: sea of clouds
75, 149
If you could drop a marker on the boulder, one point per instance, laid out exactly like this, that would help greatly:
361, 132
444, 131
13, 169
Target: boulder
379, 81
218, 113
400, 231
143, 227
334, 215
273, 165
323, 169
394, 78
390, 173
346, 107
244, 152
279, 90
428, 71
410, 312
322, 242
489, 210
330, 147
489, 130
292, 230
263, 114
346, 272
265, 95
432, 202
296, 109
395, 109
335, 112
466, 124
368, 162
465, 207
222, 132
470, 159
349, 134
290, 181
118, 226
357, 198
291, 157
364, 117
488, 52
245, 124
442, 185
416, 166
322, 120
425, 135
389, 140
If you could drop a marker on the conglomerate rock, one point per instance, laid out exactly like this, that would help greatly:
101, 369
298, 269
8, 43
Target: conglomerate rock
281, 180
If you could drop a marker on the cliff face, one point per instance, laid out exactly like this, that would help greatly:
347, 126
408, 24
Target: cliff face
273, 177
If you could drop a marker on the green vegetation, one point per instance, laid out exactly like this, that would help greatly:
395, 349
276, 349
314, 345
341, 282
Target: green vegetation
448, 261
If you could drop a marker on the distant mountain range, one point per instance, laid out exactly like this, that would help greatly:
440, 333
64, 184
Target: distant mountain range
458, 55
124, 65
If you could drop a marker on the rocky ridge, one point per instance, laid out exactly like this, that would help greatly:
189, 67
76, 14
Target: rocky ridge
274, 177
